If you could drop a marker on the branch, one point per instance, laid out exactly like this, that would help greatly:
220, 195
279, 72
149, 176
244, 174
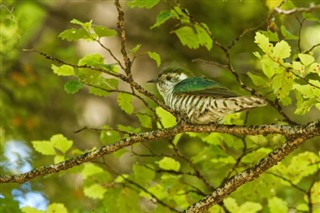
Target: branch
247, 175
298, 10
302, 131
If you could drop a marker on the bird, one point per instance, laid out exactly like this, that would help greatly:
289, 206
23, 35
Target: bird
200, 100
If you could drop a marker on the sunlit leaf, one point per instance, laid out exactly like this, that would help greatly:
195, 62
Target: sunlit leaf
168, 163
287, 34
156, 57
91, 60
61, 143
125, 102
188, 37
135, 49
74, 34
44, 147
281, 50
282, 84
57, 207
63, 70
90, 169
95, 191
306, 59
166, 118
204, 37
145, 120
102, 31
263, 42
277, 205
28, 209
164, 16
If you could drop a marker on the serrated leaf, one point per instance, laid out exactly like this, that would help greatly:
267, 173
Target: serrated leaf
102, 31
63, 70
273, 36
250, 207
168, 163
231, 204
90, 169
282, 84
135, 49
255, 155
95, 191
306, 59
263, 42
166, 118
143, 3
56, 207
44, 147
277, 205
125, 102
163, 16
281, 50
145, 120
188, 37
155, 56
73, 86
74, 34
61, 143
203, 36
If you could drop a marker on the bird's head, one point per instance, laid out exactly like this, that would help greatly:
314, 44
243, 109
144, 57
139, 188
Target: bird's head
168, 78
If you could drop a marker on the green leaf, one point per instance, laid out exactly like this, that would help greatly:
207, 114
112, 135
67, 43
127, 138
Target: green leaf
57, 207
61, 143
135, 49
163, 16
125, 103
273, 36
98, 91
255, 156
166, 118
95, 191
281, 50
143, 3
28, 209
63, 70
109, 136
231, 204
282, 84
58, 158
85, 25
204, 37
155, 56
306, 59
168, 163
263, 42
74, 34
145, 120
315, 191
257, 80
142, 175
250, 207
277, 205
73, 86
91, 60
90, 169
44, 147
188, 37
102, 31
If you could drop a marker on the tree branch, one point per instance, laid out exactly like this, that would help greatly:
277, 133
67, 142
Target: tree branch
302, 131
247, 175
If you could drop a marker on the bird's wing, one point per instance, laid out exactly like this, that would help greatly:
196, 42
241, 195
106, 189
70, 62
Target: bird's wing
202, 86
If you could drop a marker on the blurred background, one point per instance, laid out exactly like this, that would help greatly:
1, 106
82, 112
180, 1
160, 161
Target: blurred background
34, 105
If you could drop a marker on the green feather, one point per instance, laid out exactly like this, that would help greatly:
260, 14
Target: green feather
202, 86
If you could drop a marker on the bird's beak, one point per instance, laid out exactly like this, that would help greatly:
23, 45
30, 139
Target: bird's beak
153, 81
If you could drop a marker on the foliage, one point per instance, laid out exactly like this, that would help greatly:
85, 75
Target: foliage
173, 173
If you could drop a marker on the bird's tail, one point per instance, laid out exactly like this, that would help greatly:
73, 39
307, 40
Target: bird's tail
248, 102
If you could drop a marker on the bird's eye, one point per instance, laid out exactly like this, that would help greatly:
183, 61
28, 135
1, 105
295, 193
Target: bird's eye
169, 78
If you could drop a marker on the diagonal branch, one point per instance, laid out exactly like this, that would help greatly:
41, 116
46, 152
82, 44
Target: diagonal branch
302, 131
247, 175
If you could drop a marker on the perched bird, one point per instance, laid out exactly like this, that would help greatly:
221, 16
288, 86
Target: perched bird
200, 100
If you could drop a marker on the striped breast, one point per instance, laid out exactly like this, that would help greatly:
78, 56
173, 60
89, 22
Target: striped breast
201, 109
